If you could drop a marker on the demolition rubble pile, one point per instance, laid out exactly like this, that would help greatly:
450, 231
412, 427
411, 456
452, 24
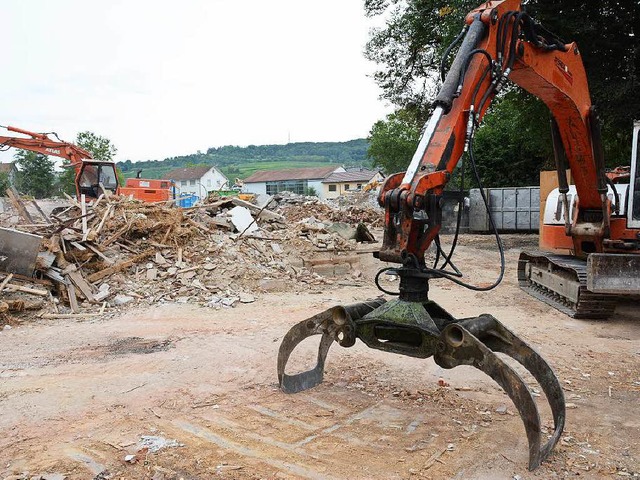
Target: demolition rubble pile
113, 251
355, 208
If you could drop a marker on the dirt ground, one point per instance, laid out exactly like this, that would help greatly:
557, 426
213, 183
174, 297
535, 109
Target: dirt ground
77, 396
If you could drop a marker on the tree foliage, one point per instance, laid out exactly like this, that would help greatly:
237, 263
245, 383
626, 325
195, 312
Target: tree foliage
4, 183
503, 158
393, 141
36, 175
409, 47
229, 158
100, 147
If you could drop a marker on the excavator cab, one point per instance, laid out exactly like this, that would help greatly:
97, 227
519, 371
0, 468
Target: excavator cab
94, 176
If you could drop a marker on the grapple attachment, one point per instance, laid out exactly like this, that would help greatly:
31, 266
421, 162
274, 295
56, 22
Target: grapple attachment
422, 329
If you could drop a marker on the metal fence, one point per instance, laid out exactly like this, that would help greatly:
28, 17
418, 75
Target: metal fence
515, 209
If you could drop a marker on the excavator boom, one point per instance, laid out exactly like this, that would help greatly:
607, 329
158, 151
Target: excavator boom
92, 177
91, 174
500, 41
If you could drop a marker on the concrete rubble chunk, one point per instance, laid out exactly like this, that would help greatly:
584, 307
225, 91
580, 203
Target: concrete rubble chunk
242, 220
120, 300
155, 444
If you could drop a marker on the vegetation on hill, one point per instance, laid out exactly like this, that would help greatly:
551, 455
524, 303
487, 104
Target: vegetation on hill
240, 162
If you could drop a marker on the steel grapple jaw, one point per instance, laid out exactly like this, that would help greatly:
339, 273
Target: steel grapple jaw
423, 329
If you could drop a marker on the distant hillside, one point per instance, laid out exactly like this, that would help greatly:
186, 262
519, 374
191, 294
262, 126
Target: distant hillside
243, 161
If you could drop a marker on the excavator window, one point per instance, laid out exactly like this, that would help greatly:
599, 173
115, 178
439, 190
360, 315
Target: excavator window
94, 175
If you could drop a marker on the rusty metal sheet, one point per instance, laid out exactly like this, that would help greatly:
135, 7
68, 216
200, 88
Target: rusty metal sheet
613, 273
18, 251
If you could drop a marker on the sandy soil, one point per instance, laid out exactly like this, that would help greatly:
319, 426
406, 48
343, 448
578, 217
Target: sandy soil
77, 396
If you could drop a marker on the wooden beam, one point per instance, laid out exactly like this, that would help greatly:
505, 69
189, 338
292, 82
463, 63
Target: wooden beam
5, 281
79, 281
94, 277
14, 197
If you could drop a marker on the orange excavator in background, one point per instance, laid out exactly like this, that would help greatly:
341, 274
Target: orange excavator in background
92, 177
499, 41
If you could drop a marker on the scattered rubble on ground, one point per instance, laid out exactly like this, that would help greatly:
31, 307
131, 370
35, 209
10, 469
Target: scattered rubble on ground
87, 259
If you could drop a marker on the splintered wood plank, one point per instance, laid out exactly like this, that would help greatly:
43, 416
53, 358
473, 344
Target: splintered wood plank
42, 214
79, 281
94, 277
5, 281
73, 300
14, 197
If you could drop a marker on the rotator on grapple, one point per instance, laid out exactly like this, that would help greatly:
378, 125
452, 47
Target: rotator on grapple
500, 39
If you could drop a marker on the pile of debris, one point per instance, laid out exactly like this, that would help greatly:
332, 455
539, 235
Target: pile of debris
355, 208
89, 256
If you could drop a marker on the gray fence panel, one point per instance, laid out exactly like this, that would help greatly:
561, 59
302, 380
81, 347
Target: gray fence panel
512, 209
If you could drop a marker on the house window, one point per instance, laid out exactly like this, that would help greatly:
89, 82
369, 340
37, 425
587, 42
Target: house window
164, 184
192, 183
183, 183
346, 186
359, 186
295, 186
208, 182
332, 187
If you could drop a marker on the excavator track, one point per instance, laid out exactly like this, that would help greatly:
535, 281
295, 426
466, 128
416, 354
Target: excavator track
561, 281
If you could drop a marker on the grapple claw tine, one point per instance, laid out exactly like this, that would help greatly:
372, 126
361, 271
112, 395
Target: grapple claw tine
333, 324
474, 341
316, 325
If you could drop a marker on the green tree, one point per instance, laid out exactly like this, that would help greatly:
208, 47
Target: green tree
503, 159
310, 192
100, 147
65, 181
409, 47
36, 175
393, 141
4, 183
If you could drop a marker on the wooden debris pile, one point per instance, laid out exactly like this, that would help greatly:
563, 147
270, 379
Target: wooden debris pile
97, 256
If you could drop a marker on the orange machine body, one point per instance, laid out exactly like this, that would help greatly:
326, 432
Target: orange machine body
148, 190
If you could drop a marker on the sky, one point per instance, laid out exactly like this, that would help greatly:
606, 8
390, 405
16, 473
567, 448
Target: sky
164, 78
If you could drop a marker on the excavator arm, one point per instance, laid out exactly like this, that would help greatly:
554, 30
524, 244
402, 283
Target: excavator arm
89, 172
499, 41
502, 41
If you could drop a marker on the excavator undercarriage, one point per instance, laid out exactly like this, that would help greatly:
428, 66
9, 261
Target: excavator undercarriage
561, 281
589, 288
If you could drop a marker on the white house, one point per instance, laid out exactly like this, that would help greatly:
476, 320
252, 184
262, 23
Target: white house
198, 181
296, 180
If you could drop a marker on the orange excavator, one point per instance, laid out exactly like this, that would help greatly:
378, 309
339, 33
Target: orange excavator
499, 41
92, 177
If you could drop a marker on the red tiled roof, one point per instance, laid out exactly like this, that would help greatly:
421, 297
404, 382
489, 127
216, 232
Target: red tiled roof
189, 173
310, 173
359, 176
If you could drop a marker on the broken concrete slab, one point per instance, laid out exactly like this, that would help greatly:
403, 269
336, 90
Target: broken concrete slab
242, 220
18, 251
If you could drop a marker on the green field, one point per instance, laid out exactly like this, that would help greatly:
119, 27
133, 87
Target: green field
239, 171
240, 162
